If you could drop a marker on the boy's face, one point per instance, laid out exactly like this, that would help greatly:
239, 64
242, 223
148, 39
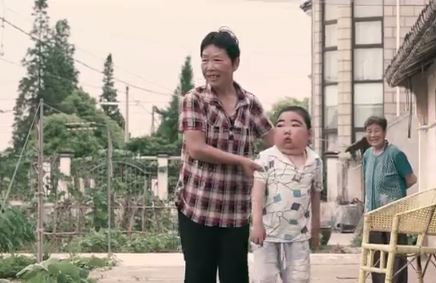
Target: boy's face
375, 135
291, 132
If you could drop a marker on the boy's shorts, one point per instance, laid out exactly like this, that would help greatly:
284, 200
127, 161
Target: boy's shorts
288, 261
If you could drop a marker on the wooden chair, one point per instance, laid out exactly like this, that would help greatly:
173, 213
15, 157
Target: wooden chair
412, 215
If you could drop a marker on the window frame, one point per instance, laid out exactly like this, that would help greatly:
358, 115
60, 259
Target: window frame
355, 46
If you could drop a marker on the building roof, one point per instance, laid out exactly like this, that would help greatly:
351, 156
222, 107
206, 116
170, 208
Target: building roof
417, 51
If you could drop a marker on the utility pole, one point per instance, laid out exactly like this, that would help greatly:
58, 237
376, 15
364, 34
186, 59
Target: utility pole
109, 190
126, 122
153, 110
40, 194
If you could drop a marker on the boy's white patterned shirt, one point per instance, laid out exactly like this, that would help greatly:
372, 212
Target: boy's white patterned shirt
287, 208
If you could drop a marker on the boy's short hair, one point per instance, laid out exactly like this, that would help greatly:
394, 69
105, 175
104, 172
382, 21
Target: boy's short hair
376, 120
300, 111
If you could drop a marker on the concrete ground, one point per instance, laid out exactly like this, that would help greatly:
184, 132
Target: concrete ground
169, 268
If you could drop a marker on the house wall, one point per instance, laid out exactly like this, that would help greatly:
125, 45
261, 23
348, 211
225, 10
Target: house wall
343, 174
425, 92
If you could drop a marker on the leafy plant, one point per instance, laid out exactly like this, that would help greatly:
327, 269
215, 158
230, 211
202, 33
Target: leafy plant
96, 242
54, 271
90, 263
15, 230
138, 243
11, 265
169, 242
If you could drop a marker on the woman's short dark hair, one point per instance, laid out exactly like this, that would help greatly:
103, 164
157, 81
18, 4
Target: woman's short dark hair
224, 39
300, 111
376, 120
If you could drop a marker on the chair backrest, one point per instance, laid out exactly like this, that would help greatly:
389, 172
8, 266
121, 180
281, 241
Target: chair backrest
420, 221
380, 219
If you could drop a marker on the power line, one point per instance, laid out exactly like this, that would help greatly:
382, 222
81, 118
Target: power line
135, 102
144, 89
9, 61
116, 66
2, 33
361, 3
20, 157
50, 74
92, 54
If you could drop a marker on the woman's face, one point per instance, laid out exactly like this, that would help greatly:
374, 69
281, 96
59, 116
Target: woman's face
217, 67
375, 136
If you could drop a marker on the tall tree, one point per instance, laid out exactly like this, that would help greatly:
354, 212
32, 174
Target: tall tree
30, 87
186, 77
60, 74
170, 116
109, 93
51, 73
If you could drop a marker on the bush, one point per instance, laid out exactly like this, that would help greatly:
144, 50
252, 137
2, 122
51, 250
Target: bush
139, 243
90, 263
54, 271
11, 265
96, 242
153, 243
15, 230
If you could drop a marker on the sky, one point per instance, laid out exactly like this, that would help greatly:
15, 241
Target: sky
149, 40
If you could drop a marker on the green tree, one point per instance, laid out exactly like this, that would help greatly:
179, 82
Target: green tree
51, 74
60, 74
153, 145
170, 115
109, 93
30, 90
80, 108
186, 77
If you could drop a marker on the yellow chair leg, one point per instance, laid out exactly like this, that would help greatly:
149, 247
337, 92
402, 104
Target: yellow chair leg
419, 269
390, 268
363, 260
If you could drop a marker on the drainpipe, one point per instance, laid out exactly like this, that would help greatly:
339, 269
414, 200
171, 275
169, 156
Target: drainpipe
398, 47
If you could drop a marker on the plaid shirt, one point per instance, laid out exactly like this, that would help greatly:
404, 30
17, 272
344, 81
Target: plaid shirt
219, 194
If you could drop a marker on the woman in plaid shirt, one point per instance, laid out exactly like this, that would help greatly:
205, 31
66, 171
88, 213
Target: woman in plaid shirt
220, 123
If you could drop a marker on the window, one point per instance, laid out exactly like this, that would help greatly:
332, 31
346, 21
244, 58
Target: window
368, 8
330, 11
368, 101
331, 142
330, 36
368, 64
368, 32
330, 77
360, 135
331, 66
331, 106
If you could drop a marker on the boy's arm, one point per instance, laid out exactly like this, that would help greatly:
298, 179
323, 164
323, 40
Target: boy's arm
258, 233
316, 222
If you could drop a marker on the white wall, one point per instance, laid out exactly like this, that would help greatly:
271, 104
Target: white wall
427, 132
397, 135
332, 178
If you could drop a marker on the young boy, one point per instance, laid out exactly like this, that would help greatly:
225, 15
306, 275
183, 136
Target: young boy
286, 202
